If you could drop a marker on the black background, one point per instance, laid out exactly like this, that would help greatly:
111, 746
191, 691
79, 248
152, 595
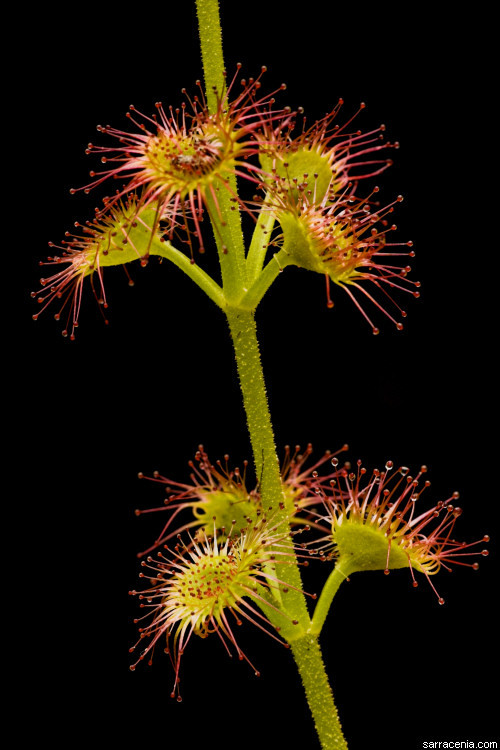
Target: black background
141, 393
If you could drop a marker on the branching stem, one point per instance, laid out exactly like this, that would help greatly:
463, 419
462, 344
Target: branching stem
243, 285
166, 250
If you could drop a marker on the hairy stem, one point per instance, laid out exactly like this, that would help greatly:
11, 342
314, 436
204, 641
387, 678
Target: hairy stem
259, 244
323, 605
264, 280
294, 617
308, 658
195, 273
224, 211
211, 49
246, 348
229, 239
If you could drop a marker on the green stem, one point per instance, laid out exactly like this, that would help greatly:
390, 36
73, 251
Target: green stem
304, 644
246, 348
264, 280
323, 605
195, 273
259, 244
211, 50
229, 239
228, 231
224, 212
308, 658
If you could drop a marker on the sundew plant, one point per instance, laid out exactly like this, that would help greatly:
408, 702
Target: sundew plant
234, 173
